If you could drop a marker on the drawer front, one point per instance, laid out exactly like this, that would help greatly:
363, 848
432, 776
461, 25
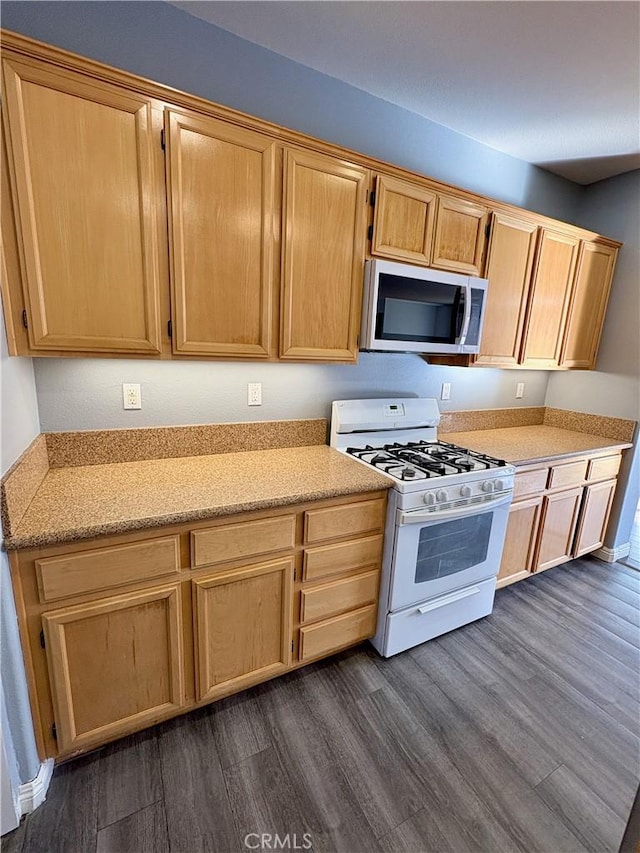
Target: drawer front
106, 568
333, 522
338, 596
530, 483
333, 634
605, 468
328, 560
571, 474
237, 541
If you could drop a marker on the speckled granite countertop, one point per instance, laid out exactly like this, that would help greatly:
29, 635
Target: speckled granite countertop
525, 445
92, 500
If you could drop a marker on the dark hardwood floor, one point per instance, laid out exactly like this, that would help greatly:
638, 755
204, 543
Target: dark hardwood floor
516, 733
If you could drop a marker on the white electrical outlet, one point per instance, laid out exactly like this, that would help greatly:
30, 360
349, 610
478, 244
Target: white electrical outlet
520, 390
445, 393
254, 393
131, 397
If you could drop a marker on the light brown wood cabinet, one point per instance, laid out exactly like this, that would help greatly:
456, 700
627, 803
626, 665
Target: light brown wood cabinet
460, 235
124, 631
87, 186
323, 257
559, 512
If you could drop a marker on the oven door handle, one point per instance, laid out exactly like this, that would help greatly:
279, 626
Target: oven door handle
467, 314
419, 516
448, 599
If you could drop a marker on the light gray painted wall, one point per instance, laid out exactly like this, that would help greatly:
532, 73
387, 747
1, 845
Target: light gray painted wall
20, 425
613, 207
87, 394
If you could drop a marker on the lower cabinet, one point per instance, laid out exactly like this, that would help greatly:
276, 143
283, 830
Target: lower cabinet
125, 631
520, 541
596, 508
242, 624
114, 664
558, 527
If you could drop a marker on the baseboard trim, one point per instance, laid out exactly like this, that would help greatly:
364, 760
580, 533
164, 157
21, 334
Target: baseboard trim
612, 555
32, 794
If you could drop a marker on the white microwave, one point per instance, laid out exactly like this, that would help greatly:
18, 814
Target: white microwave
416, 309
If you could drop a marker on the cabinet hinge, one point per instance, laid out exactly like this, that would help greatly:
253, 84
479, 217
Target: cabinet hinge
372, 198
170, 328
162, 143
291, 645
25, 319
295, 574
370, 232
42, 641
54, 732
487, 230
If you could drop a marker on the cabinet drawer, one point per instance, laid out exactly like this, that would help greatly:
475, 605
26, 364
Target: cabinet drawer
530, 483
105, 568
347, 519
236, 541
604, 468
342, 557
570, 474
334, 634
338, 596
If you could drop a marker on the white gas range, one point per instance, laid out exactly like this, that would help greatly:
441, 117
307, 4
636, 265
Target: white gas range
446, 520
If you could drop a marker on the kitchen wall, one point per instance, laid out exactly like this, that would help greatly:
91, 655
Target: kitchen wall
613, 207
166, 44
20, 425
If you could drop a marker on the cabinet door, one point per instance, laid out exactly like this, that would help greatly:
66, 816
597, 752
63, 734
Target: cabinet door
323, 257
589, 299
460, 237
520, 541
549, 299
558, 526
243, 626
594, 517
87, 183
403, 221
222, 203
115, 665
511, 251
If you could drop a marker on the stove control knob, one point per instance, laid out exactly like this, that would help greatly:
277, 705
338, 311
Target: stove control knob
500, 485
487, 486
442, 496
429, 499
465, 491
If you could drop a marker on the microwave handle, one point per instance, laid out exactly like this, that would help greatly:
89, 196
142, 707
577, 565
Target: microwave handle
467, 313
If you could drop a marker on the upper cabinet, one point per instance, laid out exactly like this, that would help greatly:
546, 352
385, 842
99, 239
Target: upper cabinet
588, 303
86, 186
549, 299
413, 223
221, 182
142, 221
323, 257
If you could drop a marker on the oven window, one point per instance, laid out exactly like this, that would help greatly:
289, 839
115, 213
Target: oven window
452, 546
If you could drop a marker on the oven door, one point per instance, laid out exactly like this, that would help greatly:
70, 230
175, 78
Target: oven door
437, 552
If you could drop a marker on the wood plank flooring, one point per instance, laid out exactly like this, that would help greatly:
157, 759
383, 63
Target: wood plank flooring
516, 733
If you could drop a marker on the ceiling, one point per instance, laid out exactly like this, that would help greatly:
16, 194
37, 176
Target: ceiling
553, 83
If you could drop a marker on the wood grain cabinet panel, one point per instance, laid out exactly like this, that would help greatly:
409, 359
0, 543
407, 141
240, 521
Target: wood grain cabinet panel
325, 560
528, 483
549, 300
558, 527
459, 239
343, 520
115, 665
568, 474
318, 602
243, 624
604, 467
222, 203
510, 261
403, 221
105, 568
594, 517
87, 192
589, 297
520, 541
337, 633
237, 541
323, 257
